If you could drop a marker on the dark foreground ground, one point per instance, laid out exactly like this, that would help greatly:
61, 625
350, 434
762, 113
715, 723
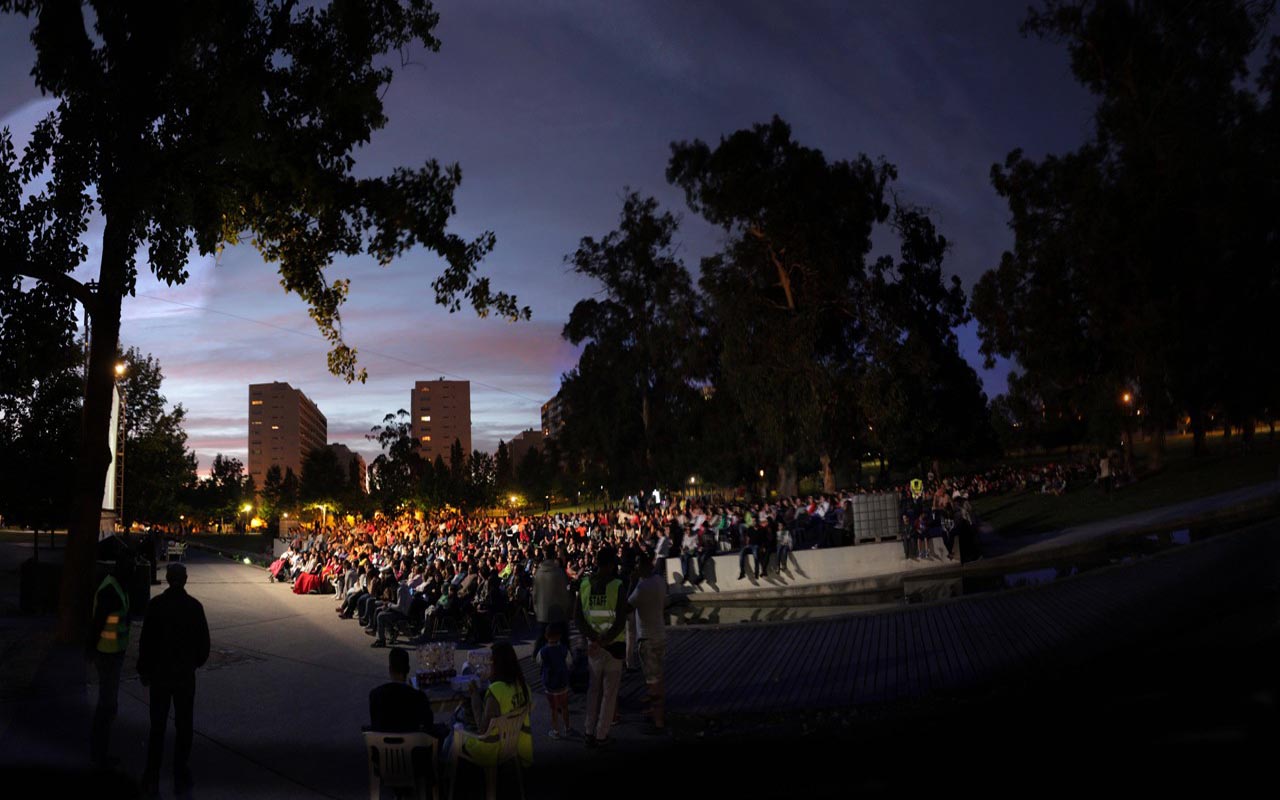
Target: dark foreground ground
1192, 707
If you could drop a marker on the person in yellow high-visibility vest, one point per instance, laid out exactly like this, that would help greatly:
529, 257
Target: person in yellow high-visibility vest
107, 646
506, 692
601, 614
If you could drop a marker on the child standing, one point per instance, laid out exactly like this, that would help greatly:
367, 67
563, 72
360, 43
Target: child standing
554, 658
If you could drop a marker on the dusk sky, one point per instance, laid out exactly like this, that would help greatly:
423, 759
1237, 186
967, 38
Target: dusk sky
551, 108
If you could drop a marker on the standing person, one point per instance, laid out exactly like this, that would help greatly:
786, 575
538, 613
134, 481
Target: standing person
649, 598
553, 659
174, 644
784, 547
551, 599
601, 614
110, 641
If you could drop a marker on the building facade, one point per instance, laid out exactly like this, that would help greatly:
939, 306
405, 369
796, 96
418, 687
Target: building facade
347, 457
552, 417
521, 444
441, 414
284, 425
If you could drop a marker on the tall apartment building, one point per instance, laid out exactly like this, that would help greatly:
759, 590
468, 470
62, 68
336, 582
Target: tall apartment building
552, 417
521, 444
347, 457
441, 413
284, 425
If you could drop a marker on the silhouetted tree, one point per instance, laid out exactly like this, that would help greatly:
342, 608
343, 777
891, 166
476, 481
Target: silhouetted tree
626, 400
1146, 258
188, 125
158, 467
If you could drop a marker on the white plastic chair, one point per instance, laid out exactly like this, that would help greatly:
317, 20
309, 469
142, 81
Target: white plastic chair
390, 757
505, 730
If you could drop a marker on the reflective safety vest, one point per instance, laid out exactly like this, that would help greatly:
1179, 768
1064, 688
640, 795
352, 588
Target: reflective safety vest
917, 487
484, 750
601, 609
114, 637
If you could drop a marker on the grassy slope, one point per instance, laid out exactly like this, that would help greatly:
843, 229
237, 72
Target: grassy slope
1183, 478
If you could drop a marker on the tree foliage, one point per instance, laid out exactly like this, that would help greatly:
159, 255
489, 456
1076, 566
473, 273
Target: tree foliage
39, 425
1146, 259
189, 126
816, 338
159, 470
627, 400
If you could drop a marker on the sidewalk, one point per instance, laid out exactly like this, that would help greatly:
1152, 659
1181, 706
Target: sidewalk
279, 707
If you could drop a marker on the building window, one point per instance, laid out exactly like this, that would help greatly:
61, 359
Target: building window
275, 427
426, 438
257, 422
426, 418
255, 403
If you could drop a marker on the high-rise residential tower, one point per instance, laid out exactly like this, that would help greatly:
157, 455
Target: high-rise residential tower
284, 425
441, 414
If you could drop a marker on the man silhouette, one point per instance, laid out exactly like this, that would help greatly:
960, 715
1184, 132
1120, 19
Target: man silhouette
174, 644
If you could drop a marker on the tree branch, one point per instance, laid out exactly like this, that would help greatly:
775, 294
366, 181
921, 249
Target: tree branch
59, 280
784, 278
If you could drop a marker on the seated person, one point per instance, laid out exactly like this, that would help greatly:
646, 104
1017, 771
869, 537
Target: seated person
390, 614
446, 609
396, 707
506, 692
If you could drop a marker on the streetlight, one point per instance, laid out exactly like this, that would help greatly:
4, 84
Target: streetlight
248, 508
1126, 439
118, 455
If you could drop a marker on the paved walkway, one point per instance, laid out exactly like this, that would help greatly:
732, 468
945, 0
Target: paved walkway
279, 706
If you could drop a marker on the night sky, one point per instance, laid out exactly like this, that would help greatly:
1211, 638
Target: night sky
551, 108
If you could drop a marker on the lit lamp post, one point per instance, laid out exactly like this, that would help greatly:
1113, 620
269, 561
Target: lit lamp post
1127, 400
118, 455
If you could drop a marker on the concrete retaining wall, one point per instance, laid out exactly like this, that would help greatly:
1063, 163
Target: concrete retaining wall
860, 568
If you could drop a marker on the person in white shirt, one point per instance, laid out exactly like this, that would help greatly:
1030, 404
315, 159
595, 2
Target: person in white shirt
688, 550
649, 599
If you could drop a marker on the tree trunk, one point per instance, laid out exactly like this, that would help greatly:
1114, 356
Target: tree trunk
828, 476
1157, 447
76, 591
644, 420
1246, 433
787, 476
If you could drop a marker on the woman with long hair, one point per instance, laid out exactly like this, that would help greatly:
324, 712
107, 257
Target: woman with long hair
507, 692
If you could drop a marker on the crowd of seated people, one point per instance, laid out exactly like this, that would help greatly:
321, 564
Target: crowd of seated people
463, 572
